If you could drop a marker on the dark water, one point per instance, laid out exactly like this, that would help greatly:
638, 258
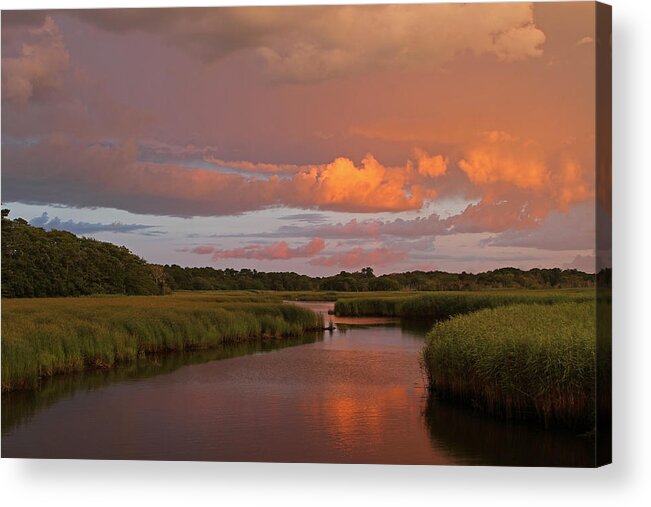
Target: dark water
354, 395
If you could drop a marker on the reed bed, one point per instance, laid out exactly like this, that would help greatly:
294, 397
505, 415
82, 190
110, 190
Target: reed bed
45, 337
443, 305
525, 361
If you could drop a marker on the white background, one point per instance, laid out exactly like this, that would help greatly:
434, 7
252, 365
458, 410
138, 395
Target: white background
626, 482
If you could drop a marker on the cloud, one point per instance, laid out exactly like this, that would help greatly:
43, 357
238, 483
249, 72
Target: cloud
585, 263
44, 94
512, 189
489, 164
344, 186
311, 218
354, 39
527, 166
81, 228
305, 44
62, 170
357, 257
491, 215
431, 225
257, 167
498, 136
349, 230
431, 166
573, 230
156, 151
274, 251
18, 19
37, 67
203, 250
486, 216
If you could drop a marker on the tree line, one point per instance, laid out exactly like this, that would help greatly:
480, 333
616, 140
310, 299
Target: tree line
179, 278
39, 263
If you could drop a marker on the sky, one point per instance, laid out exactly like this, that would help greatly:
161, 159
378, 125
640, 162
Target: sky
454, 137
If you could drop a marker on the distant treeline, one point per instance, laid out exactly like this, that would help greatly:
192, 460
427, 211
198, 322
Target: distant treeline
179, 278
39, 263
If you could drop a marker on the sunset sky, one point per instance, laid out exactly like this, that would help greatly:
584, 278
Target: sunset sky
311, 139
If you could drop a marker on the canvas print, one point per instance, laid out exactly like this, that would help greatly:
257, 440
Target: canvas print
333, 234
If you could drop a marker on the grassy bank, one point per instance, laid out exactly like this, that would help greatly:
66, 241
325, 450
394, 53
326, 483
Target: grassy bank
279, 295
522, 361
45, 337
442, 305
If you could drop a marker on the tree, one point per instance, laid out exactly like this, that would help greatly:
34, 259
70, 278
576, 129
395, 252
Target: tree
368, 272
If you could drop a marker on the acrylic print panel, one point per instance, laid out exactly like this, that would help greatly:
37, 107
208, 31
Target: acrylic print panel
341, 234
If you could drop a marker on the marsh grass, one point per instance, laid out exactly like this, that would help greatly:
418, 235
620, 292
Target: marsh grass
443, 305
524, 361
44, 337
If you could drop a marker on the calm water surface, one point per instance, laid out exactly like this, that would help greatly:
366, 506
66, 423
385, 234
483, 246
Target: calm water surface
353, 395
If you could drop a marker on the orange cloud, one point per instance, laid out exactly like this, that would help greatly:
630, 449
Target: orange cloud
493, 163
272, 252
506, 160
341, 185
360, 257
430, 166
571, 184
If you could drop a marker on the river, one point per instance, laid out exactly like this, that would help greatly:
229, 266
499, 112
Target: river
356, 394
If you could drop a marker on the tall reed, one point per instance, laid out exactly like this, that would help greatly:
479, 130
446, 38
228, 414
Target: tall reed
44, 337
521, 361
442, 305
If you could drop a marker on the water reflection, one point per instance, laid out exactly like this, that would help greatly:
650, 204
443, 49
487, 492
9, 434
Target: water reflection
18, 407
474, 439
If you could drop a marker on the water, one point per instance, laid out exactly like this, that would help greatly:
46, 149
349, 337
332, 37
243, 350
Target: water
353, 395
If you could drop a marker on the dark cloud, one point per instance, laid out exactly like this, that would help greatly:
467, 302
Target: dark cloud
82, 228
23, 18
34, 69
313, 43
310, 218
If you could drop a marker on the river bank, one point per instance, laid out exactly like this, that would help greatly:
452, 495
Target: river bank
50, 336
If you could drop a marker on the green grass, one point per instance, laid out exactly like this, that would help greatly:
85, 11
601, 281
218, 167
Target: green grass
526, 361
436, 306
44, 337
